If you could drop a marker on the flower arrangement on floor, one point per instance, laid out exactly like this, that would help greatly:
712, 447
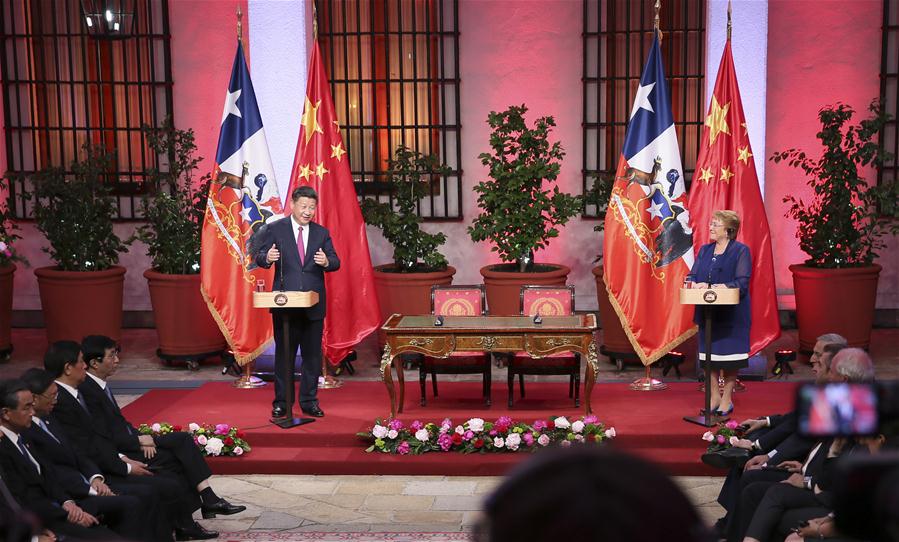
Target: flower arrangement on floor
219, 439
479, 436
724, 436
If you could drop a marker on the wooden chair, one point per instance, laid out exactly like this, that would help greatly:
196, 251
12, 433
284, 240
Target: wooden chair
457, 301
547, 301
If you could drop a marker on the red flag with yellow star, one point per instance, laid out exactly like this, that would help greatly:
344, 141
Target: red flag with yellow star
725, 178
321, 162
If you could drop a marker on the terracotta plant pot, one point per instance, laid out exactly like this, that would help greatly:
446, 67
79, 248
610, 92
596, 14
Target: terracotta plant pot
835, 301
184, 325
80, 303
6, 278
504, 284
614, 339
407, 293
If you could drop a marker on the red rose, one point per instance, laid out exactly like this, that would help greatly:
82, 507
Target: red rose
229, 441
478, 443
457, 439
551, 424
240, 434
177, 428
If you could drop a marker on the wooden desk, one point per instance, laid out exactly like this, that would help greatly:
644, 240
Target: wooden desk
486, 334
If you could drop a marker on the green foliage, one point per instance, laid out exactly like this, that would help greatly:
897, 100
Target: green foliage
519, 215
9, 230
75, 212
844, 224
174, 211
599, 194
414, 250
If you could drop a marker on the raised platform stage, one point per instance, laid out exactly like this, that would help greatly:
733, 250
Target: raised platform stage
647, 423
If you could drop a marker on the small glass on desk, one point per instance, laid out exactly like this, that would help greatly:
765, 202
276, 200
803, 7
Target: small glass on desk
688, 283
260, 285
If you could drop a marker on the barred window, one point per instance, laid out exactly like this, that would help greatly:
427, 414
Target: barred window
67, 82
889, 89
617, 36
394, 72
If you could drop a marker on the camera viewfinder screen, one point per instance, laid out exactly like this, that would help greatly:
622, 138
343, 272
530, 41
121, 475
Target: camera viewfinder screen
837, 409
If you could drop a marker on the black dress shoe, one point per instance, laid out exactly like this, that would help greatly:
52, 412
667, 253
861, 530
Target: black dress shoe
194, 532
727, 458
279, 412
222, 507
314, 411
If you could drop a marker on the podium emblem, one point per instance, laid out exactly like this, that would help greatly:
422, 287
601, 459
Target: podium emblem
709, 296
280, 300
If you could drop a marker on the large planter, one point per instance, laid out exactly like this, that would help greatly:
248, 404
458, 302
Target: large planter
6, 278
407, 293
184, 325
835, 301
80, 303
615, 343
504, 284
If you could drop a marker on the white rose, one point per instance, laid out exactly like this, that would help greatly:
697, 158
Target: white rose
498, 442
460, 430
392, 434
214, 446
543, 440
476, 425
610, 432
238, 450
708, 436
565, 443
201, 440
577, 426
562, 422
422, 435
513, 441
379, 431
156, 427
192, 427
734, 440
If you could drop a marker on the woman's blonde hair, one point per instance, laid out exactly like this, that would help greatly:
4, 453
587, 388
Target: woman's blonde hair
730, 220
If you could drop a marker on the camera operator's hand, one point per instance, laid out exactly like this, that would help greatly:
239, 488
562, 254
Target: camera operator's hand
753, 424
755, 463
791, 466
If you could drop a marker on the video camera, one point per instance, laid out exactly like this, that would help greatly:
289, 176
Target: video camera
866, 486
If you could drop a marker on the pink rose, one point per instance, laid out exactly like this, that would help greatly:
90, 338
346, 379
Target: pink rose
732, 424
416, 425
708, 436
590, 419
403, 448
720, 439
539, 425
610, 432
238, 450
396, 425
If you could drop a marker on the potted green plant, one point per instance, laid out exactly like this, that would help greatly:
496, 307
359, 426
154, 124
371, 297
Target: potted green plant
8, 256
841, 228
520, 209
404, 286
615, 343
82, 293
174, 212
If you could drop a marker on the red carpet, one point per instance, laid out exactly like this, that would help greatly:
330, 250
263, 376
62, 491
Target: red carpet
648, 423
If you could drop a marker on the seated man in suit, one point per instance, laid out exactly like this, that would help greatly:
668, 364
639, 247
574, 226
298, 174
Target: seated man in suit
78, 475
172, 452
16, 524
65, 363
35, 485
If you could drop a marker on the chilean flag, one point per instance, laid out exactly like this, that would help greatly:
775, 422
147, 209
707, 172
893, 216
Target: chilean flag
242, 198
648, 243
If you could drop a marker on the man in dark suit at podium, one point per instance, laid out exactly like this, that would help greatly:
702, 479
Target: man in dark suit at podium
302, 252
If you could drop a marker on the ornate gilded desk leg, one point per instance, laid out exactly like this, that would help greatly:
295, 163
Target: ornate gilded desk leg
401, 381
590, 380
387, 378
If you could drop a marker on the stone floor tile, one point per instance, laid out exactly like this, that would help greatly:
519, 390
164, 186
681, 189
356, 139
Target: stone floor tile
353, 502
277, 520
305, 487
439, 519
229, 525
488, 484
373, 486
397, 502
440, 487
458, 502
411, 528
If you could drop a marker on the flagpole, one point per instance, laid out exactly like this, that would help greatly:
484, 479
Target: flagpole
655, 22
729, 23
246, 380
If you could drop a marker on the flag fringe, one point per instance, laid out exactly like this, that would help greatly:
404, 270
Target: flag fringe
646, 360
241, 359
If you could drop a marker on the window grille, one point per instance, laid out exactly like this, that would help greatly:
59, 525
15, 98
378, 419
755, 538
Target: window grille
889, 90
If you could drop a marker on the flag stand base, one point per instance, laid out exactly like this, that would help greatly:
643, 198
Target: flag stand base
287, 423
648, 383
329, 383
247, 380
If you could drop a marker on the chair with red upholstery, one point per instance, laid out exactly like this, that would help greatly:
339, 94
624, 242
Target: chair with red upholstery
547, 301
457, 301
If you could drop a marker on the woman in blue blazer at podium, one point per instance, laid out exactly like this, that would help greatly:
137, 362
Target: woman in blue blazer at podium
724, 263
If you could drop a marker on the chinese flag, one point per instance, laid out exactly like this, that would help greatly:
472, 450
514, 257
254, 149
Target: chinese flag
725, 178
322, 163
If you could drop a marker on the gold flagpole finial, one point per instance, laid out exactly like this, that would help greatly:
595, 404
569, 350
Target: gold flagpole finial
729, 22
239, 24
314, 22
655, 23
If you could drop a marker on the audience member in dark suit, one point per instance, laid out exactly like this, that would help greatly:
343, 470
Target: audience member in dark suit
78, 475
174, 452
64, 362
33, 483
302, 252
16, 524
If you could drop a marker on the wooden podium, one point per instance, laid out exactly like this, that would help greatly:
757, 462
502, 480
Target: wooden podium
286, 300
710, 297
